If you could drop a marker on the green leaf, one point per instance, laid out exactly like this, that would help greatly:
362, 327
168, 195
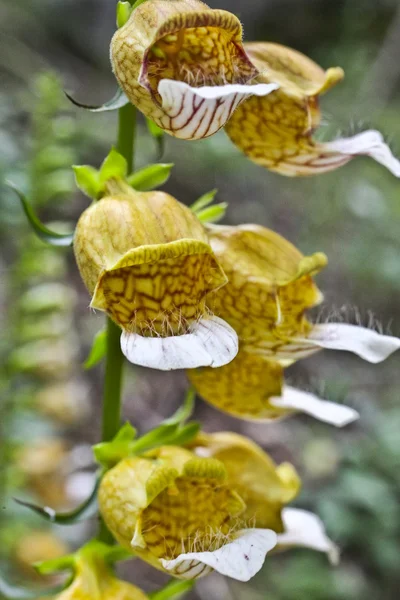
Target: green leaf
87, 179
124, 10
114, 166
185, 411
109, 454
173, 590
212, 214
204, 200
55, 565
45, 234
150, 177
118, 101
98, 350
127, 433
186, 434
84, 511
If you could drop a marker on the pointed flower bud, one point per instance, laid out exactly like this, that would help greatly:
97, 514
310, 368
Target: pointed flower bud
251, 387
275, 131
183, 65
146, 261
266, 489
181, 514
270, 288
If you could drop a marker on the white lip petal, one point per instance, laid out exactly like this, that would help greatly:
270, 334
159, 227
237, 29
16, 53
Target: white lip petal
195, 113
304, 528
240, 559
208, 343
370, 345
323, 410
369, 143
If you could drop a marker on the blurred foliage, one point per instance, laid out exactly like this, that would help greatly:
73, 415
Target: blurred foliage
351, 477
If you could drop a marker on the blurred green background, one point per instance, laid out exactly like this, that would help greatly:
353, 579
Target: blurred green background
351, 477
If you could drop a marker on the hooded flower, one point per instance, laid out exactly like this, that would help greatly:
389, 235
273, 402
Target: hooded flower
251, 387
94, 580
275, 131
266, 489
180, 513
146, 261
183, 65
270, 288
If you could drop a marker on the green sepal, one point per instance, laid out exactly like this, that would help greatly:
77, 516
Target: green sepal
173, 590
9, 591
172, 431
150, 177
117, 101
55, 565
84, 511
110, 453
43, 232
185, 411
97, 351
124, 10
212, 214
204, 201
158, 134
87, 179
114, 166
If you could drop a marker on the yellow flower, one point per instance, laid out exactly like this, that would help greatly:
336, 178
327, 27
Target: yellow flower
183, 65
146, 261
275, 131
251, 387
266, 489
94, 580
179, 513
270, 288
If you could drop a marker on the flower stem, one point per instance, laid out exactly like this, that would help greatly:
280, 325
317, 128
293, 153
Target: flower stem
175, 588
112, 394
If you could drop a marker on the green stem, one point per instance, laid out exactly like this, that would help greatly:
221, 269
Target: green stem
173, 589
112, 394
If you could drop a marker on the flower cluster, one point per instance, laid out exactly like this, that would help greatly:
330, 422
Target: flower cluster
185, 66
228, 304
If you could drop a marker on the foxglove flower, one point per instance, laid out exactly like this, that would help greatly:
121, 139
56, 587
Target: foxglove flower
276, 131
178, 512
251, 387
146, 261
183, 65
270, 288
267, 489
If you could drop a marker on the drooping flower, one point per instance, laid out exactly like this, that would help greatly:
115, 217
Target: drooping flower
183, 65
178, 512
146, 261
94, 580
276, 131
269, 291
267, 489
251, 387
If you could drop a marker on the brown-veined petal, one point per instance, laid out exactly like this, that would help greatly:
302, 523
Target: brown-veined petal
276, 131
